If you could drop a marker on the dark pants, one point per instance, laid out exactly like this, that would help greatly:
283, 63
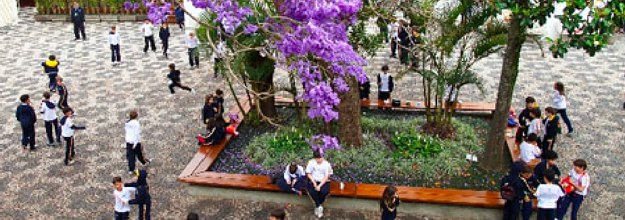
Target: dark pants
165, 47
115, 55
194, 59
28, 135
79, 27
299, 185
52, 83
393, 48
180, 23
133, 154
63, 102
319, 197
144, 210
526, 210
69, 149
149, 40
122, 215
49, 126
565, 117
565, 201
217, 66
546, 145
546, 214
177, 84
403, 55
511, 210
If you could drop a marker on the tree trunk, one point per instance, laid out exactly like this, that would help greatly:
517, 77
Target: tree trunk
266, 100
260, 71
494, 156
350, 131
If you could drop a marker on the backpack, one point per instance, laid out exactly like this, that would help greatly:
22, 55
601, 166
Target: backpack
506, 190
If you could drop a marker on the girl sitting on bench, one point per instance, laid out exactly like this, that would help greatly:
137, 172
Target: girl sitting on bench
216, 130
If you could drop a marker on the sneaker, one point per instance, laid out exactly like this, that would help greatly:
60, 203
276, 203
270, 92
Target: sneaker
76, 39
49, 144
149, 161
320, 211
317, 212
570, 134
193, 91
71, 162
33, 149
24, 147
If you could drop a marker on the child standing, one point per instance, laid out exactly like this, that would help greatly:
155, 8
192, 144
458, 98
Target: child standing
389, 203
122, 197
535, 125
148, 36
548, 163
219, 100
294, 179
174, 76
179, 16
63, 93
385, 86
530, 149
50, 119
142, 197
51, 67
318, 171
25, 114
67, 131
548, 195
194, 53
163, 34
209, 109
580, 180
559, 103
114, 41
134, 150
218, 56
524, 118
550, 130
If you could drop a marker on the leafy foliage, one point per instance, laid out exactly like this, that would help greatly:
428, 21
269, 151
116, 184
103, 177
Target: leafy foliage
412, 144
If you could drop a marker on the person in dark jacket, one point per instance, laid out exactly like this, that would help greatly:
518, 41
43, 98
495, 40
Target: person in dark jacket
219, 100
415, 41
551, 128
174, 76
179, 16
365, 89
142, 196
549, 162
163, 34
404, 41
524, 118
512, 207
209, 110
530, 184
389, 203
51, 67
216, 130
25, 114
63, 93
78, 19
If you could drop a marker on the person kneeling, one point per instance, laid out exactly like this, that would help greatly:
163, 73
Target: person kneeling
318, 171
294, 179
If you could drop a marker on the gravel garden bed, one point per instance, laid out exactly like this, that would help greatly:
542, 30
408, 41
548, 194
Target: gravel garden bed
394, 152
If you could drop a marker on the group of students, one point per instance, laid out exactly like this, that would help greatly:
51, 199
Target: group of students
406, 38
537, 135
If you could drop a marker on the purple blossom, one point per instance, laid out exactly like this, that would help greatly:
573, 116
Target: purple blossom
127, 5
250, 28
322, 143
135, 7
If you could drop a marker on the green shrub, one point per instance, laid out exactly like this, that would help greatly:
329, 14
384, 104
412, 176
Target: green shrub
411, 144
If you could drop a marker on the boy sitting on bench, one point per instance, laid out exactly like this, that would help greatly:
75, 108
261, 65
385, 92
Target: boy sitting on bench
294, 179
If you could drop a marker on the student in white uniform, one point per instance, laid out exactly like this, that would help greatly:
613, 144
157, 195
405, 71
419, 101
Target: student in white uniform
318, 171
580, 180
548, 195
122, 196
48, 109
559, 103
530, 149
385, 86
114, 41
134, 150
67, 131
294, 179
148, 36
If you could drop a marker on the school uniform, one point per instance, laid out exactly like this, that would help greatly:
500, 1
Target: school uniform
67, 131
48, 109
63, 96
174, 76
148, 38
389, 211
550, 132
318, 171
539, 171
208, 112
51, 67
114, 41
404, 40
218, 57
393, 27
577, 197
524, 117
548, 196
365, 89
194, 53
134, 150
529, 152
529, 188
179, 17
559, 103
163, 34
385, 86
142, 195
78, 19
122, 205
299, 177
25, 114
219, 102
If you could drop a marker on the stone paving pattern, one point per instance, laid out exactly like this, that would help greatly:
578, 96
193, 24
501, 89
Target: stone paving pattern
36, 185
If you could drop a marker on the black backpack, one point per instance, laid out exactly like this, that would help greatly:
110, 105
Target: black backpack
506, 189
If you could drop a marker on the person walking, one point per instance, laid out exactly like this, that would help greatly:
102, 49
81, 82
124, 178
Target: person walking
148, 36
134, 150
63, 93
48, 109
142, 196
218, 56
114, 40
179, 16
163, 34
67, 131
25, 114
78, 19
559, 103
174, 76
51, 67
194, 53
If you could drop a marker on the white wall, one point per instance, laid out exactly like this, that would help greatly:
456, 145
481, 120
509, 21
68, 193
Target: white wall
8, 12
189, 23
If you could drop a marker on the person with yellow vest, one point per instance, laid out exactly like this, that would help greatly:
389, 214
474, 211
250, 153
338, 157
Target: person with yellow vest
51, 67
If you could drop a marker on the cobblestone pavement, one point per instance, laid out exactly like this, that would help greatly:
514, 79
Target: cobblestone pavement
36, 185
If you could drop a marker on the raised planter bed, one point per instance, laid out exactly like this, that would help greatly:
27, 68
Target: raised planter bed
109, 17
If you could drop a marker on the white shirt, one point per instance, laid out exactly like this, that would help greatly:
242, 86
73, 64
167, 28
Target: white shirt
393, 27
529, 152
147, 30
192, 42
48, 113
66, 129
114, 39
318, 171
384, 81
299, 172
535, 126
122, 198
584, 181
133, 131
548, 195
221, 50
559, 101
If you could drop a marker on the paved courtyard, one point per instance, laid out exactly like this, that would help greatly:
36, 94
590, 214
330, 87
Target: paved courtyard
36, 185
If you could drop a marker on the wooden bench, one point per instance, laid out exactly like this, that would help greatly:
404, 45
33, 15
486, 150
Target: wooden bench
409, 105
